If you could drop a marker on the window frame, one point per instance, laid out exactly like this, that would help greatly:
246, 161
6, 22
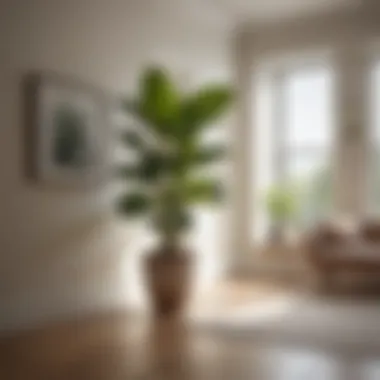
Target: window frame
282, 151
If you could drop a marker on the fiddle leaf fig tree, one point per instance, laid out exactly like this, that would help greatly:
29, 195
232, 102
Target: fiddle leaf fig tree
166, 172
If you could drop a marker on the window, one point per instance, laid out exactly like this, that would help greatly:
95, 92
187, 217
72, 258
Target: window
293, 139
374, 175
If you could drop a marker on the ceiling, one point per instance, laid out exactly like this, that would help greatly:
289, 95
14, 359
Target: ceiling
188, 31
262, 10
187, 35
224, 13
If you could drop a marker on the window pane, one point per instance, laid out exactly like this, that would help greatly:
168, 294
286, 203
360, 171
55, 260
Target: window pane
308, 137
375, 101
303, 165
374, 177
262, 175
375, 180
293, 134
311, 175
307, 97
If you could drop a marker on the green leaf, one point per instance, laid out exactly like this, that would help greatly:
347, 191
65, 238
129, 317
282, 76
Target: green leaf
159, 100
153, 166
205, 106
210, 154
127, 171
203, 191
172, 221
176, 121
150, 167
134, 204
133, 140
136, 109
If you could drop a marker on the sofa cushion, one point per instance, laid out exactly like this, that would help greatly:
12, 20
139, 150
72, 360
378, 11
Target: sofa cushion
370, 231
329, 233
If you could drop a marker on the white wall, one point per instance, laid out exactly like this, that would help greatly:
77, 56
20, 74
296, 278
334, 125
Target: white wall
62, 252
347, 37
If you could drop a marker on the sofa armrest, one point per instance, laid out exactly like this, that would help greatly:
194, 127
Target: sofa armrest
323, 240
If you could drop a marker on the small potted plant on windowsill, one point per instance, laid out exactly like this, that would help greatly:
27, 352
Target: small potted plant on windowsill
281, 205
165, 175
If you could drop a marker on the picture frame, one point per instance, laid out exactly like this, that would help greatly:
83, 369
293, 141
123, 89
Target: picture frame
66, 130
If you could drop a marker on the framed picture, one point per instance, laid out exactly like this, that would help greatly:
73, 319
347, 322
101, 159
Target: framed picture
66, 130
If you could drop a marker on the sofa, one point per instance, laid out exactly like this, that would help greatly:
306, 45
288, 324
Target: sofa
333, 249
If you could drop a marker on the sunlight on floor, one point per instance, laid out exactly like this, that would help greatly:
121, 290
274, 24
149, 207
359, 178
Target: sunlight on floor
269, 309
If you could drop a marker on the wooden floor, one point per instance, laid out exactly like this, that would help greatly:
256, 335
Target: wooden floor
116, 347
122, 347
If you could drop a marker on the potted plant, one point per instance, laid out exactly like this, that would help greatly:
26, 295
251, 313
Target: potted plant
282, 208
166, 175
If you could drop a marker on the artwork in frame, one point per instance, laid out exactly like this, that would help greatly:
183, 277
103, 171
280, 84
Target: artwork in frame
66, 130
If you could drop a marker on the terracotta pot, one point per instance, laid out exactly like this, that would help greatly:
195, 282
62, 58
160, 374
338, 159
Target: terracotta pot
168, 275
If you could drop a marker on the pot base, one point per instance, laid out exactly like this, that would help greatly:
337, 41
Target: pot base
168, 281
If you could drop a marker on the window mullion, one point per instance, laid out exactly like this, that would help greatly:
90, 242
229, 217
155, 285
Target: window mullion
279, 130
